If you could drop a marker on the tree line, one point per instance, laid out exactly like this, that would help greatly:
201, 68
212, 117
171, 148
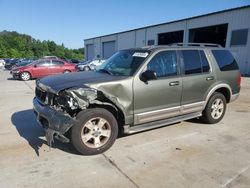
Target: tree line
15, 45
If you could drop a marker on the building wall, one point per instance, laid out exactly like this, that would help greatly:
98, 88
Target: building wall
236, 19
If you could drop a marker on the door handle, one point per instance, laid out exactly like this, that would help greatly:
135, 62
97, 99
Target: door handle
175, 83
209, 78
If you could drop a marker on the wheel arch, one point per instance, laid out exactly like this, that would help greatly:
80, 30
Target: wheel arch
117, 113
66, 70
224, 89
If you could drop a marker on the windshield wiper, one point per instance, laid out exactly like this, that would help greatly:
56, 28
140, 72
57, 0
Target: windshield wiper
105, 71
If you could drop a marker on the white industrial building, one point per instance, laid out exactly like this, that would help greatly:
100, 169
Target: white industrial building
230, 28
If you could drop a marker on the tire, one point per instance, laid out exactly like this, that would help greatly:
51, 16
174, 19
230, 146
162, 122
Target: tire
25, 76
66, 71
86, 68
215, 109
89, 136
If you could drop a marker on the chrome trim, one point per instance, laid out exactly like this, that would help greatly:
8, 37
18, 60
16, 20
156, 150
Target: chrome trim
156, 115
234, 97
159, 123
150, 116
193, 107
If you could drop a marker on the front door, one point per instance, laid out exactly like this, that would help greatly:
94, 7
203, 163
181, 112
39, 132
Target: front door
160, 98
41, 68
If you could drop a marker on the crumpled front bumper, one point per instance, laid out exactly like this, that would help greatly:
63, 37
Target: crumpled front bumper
55, 123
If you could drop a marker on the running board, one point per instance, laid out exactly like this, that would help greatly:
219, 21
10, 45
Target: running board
159, 123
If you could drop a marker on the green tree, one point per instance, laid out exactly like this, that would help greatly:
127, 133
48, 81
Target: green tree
15, 45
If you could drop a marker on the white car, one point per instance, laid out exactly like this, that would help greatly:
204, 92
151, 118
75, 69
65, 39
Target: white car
90, 65
2, 63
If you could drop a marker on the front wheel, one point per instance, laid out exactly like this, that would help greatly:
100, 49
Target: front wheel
95, 131
215, 109
87, 68
25, 76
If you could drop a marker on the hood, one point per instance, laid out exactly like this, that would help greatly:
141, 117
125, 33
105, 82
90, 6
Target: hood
65, 81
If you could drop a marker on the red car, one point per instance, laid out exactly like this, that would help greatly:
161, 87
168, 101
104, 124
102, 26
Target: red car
42, 68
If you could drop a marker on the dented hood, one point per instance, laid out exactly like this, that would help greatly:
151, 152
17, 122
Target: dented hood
64, 81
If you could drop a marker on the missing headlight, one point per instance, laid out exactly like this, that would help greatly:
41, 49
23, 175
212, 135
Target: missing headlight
66, 102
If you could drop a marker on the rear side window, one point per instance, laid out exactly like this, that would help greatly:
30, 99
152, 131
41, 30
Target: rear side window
56, 62
192, 62
204, 62
225, 60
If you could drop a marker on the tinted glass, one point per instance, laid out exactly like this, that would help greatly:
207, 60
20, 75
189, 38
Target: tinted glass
164, 64
56, 62
124, 63
192, 63
225, 60
43, 63
205, 64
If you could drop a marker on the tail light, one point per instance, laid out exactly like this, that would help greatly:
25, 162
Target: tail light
239, 81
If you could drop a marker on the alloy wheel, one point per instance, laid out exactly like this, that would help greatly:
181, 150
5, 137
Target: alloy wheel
217, 108
96, 132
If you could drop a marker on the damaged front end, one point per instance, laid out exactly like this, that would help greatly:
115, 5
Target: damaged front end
56, 112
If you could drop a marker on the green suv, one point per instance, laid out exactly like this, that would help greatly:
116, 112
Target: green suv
137, 90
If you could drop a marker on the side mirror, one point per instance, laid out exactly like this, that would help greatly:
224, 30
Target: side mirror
148, 75
35, 65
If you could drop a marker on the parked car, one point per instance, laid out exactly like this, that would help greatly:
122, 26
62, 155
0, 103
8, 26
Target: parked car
10, 63
24, 62
75, 61
42, 68
137, 90
89, 65
49, 57
2, 63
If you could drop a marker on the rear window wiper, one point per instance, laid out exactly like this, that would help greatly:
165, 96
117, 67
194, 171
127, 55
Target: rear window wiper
105, 71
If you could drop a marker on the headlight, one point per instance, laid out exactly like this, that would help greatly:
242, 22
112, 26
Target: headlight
15, 71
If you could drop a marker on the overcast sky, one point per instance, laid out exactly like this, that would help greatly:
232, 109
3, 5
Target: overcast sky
71, 21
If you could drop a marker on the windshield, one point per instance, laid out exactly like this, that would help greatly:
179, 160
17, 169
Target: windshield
124, 63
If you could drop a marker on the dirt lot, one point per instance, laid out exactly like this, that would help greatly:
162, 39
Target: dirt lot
187, 154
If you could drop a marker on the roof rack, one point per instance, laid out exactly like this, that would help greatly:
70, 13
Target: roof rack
197, 44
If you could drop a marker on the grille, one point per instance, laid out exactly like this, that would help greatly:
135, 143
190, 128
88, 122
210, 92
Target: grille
41, 95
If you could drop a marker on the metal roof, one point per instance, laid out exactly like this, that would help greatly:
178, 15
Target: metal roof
185, 19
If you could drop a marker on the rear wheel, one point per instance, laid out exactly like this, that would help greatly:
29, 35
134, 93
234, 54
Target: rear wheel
25, 76
215, 109
95, 131
66, 71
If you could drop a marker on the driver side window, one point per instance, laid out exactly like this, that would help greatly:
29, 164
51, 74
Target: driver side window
43, 63
164, 64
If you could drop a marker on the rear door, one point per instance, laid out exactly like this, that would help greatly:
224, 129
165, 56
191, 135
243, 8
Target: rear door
56, 67
197, 79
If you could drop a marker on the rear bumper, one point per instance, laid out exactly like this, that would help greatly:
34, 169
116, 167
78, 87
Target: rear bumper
55, 123
234, 97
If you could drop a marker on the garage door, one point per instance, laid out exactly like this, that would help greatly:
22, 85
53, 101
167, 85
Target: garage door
216, 34
90, 51
108, 49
